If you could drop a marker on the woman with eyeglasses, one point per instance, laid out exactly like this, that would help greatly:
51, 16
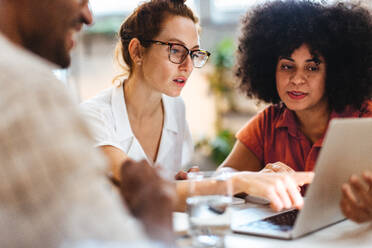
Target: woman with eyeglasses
144, 116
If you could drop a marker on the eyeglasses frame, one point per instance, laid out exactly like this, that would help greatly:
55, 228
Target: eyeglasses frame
189, 52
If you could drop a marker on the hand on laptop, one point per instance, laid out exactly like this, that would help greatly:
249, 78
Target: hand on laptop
356, 202
281, 189
149, 198
276, 167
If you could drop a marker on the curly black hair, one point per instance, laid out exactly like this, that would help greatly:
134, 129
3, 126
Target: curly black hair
341, 33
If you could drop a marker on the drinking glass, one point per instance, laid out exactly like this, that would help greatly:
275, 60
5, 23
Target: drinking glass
208, 208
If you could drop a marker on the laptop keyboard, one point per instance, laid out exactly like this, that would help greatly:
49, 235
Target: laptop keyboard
281, 222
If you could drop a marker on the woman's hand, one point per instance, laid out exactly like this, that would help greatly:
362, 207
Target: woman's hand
276, 167
281, 189
356, 202
182, 175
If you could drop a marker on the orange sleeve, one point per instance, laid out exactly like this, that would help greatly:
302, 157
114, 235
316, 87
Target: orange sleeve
253, 133
367, 109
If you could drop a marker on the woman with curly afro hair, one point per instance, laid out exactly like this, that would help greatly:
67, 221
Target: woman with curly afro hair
313, 63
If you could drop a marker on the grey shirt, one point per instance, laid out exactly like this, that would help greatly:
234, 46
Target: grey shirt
53, 189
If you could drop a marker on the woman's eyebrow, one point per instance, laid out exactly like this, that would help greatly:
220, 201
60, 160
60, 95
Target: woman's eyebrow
287, 58
316, 60
181, 42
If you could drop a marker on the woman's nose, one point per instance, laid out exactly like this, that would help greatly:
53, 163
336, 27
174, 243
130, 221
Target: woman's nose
187, 64
298, 77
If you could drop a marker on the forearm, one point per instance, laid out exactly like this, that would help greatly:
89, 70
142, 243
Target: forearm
115, 158
241, 159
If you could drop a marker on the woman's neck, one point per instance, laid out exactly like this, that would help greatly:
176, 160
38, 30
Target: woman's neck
313, 124
141, 101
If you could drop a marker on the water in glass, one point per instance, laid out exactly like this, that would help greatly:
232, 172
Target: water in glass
209, 219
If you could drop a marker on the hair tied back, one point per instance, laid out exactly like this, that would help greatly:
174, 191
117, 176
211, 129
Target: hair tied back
178, 1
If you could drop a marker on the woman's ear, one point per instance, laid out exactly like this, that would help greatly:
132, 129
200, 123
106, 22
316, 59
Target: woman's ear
135, 51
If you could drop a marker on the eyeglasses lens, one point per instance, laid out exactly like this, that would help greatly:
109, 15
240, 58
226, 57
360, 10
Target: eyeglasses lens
199, 58
177, 54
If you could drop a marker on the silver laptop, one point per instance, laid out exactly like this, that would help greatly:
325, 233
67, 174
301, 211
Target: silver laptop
347, 149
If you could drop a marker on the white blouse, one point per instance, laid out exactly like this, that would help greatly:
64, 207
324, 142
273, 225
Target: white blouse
107, 116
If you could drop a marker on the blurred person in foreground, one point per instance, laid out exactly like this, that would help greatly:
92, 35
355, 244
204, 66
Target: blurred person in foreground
143, 117
53, 188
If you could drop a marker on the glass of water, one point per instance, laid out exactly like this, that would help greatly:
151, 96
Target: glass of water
208, 208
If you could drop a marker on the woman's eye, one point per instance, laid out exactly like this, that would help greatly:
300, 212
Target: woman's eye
286, 67
312, 68
175, 51
195, 55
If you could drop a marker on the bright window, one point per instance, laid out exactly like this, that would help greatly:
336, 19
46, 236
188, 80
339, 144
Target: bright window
115, 7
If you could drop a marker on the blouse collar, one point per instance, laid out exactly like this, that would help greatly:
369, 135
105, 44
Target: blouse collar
122, 124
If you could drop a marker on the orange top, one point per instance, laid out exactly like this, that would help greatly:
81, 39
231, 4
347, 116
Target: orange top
274, 136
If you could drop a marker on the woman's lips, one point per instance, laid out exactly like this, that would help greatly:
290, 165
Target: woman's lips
296, 95
181, 81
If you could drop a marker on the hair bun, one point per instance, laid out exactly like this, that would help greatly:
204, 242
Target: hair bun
178, 1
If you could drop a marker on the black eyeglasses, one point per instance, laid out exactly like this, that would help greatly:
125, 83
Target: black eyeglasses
177, 53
